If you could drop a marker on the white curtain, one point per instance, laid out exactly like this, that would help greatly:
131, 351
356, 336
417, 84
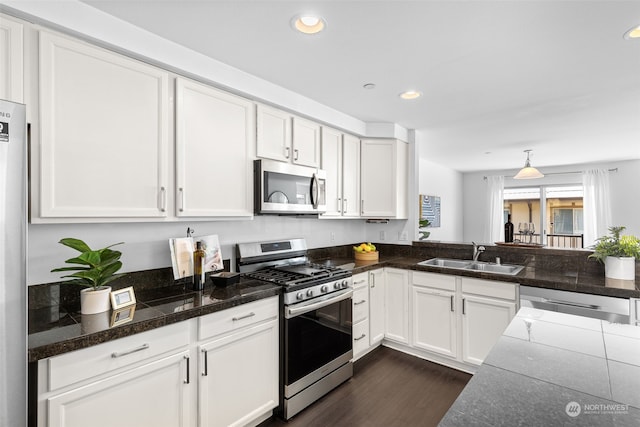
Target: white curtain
597, 205
495, 195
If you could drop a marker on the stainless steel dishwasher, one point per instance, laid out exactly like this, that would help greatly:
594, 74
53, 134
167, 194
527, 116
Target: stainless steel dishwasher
612, 309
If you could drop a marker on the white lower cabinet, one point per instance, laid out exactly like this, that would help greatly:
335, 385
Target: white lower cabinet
459, 318
396, 310
227, 375
376, 305
238, 370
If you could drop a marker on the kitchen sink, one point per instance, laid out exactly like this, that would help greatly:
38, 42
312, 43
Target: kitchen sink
488, 267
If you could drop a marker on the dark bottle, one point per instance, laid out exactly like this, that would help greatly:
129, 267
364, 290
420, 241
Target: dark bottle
508, 230
198, 267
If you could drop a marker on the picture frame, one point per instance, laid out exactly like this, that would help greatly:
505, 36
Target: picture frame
122, 298
122, 315
430, 209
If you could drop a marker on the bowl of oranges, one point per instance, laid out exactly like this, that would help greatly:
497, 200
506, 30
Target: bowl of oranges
365, 252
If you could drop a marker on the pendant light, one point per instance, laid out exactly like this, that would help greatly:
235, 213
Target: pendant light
528, 172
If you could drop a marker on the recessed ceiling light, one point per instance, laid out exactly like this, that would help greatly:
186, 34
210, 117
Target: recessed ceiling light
369, 86
308, 23
633, 33
411, 94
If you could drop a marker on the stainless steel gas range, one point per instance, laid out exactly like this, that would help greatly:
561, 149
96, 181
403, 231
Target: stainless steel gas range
316, 320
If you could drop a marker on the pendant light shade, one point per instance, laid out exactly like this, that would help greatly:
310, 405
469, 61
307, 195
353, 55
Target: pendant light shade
528, 172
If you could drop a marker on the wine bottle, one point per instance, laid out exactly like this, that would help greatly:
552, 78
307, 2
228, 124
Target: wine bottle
198, 267
508, 230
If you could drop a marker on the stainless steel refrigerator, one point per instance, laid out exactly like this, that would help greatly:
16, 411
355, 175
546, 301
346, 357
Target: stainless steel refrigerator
13, 264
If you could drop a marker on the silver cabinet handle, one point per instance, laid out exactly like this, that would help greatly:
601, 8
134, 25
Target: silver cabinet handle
360, 302
344, 206
117, 354
373, 280
452, 303
187, 381
181, 190
287, 152
246, 316
357, 282
295, 154
339, 204
360, 337
206, 363
361, 207
463, 306
163, 199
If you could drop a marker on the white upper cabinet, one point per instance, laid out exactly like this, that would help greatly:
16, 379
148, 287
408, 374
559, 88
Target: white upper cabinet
384, 178
341, 162
11, 59
306, 142
274, 134
214, 151
103, 134
287, 138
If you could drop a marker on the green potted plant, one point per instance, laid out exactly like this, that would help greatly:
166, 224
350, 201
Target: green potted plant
93, 269
618, 253
423, 223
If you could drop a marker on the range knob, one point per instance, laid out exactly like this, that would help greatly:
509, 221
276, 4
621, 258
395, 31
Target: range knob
324, 289
299, 296
344, 284
336, 285
310, 293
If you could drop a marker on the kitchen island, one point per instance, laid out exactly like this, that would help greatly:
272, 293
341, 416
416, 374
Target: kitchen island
552, 369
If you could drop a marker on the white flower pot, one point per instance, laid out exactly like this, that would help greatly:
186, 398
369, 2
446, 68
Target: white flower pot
623, 268
92, 302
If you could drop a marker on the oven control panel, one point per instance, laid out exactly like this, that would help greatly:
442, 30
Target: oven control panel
315, 291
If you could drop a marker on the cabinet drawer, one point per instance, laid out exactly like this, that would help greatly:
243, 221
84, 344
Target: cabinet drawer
432, 280
360, 337
90, 362
360, 304
489, 288
237, 317
360, 280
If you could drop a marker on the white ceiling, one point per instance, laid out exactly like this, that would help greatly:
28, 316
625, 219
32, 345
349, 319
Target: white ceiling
498, 77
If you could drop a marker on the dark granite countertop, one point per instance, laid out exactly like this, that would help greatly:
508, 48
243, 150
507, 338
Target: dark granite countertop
552, 369
53, 330
563, 279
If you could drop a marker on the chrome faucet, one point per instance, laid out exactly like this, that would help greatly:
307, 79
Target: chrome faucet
477, 250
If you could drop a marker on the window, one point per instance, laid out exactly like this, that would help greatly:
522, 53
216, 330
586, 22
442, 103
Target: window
555, 212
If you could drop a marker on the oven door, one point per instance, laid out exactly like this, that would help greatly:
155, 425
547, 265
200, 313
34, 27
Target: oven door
317, 339
282, 188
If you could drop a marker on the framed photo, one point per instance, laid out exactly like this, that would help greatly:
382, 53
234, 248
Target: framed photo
430, 209
122, 298
122, 315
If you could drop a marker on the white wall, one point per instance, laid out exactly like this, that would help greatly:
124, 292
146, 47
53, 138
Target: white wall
437, 180
625, 203
146, 244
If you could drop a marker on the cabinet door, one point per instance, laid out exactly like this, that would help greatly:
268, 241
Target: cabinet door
360, 303
11, 75
378, 178
306, 142
155, 394
350, 176
214, 145
235, 397
274, 134
332, 165
376, 305
104, 130
434, 321
483, 322
396, 308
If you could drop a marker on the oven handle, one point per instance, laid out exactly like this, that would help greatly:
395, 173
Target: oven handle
315, 304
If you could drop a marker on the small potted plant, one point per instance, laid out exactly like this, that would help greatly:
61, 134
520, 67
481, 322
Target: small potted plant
422, 224
93, 269
618, 253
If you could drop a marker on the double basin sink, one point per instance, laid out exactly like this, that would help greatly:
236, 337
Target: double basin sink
460, 264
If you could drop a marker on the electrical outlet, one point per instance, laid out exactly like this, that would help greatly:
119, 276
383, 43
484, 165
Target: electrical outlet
403, 236
383, 235
333, 236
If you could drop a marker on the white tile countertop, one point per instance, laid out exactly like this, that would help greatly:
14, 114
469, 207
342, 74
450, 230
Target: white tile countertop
555, 369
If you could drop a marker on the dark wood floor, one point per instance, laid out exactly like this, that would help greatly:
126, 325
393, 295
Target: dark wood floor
388, 388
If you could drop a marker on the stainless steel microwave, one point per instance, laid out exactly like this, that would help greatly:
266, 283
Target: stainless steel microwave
286, 189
